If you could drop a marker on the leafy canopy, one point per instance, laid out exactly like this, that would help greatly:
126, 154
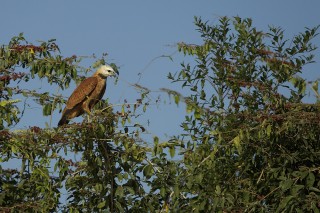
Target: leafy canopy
250, 142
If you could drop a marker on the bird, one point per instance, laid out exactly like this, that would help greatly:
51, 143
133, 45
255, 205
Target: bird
87, 94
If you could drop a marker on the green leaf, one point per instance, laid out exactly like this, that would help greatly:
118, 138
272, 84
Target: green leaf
284, 202
218, 190
203, 95
197, 114
296, 188
315, 207
101, 205
144, 108
14, 149
130, 189
9, 90
189, 109
310, 180
99, 161
98, 187
315, 86
199, 178
314, 189
216, 201
268, 130
155, 140
286, 184
119, 192
9, 102
177, 99
236, 142
148, 171
172, 151
47, 109
119, 207
163, 192
74, 73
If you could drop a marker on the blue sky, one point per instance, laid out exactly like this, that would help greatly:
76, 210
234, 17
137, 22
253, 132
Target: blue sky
134, 33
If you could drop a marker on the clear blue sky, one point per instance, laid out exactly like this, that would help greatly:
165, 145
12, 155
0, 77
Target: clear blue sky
134, 33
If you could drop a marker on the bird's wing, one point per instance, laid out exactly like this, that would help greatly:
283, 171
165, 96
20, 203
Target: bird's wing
81, 92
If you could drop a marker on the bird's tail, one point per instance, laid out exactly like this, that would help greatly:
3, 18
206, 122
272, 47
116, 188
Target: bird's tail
63, 121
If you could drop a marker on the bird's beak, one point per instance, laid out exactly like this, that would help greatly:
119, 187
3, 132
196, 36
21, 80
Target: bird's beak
115, 73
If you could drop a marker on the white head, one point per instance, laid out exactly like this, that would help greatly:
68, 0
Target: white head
105, 71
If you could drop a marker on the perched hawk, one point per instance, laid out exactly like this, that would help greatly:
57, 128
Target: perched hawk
87, 94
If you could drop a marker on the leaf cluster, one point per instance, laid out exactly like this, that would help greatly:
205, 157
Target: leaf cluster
250, 143
21, 61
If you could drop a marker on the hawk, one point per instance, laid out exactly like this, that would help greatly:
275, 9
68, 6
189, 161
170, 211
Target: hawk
87, 94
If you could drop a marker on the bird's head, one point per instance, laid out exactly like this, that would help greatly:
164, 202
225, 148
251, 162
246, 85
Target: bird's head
106, 70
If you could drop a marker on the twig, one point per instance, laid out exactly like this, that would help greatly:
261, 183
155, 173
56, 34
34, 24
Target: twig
154, 59
271, 192
154, 168
203, 161
260, 176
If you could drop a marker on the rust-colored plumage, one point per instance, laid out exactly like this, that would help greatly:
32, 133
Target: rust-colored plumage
87, 94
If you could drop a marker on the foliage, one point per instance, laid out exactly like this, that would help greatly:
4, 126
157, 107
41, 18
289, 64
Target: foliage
90, 166
41, 61
250, 143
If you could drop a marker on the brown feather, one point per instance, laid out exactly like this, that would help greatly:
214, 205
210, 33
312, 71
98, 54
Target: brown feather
81, 92
83, 99
87, 94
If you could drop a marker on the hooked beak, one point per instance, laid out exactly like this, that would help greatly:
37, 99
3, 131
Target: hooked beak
115, 73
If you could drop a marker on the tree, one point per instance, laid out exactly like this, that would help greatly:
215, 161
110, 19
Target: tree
250, 143
108, 173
